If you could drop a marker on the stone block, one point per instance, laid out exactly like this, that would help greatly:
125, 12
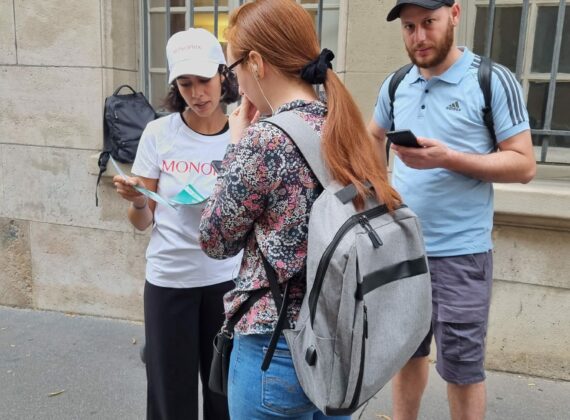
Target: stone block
88, 271
16, 263
372, 44
339, 64
545, 198
7, 33
58, 33
532, 256
2, 198
364, 88
51, 106
529, 330
120, 40
112, 79
54, 185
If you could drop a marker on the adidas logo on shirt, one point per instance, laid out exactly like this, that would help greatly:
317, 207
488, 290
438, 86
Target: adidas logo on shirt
454, 106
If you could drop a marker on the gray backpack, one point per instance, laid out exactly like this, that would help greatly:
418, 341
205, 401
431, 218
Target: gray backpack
368, 301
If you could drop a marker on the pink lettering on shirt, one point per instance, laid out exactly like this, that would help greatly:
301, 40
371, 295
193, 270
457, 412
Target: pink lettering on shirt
188, 167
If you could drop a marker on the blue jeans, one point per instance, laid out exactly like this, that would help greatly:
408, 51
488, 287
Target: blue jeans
273, 394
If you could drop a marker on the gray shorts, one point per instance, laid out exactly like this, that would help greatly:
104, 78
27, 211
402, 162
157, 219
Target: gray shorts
461, 294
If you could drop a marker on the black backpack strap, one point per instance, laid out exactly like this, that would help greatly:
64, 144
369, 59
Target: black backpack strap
392, 87
279, 327
106, 153
273, 283
102, 163
281, 303
484, 76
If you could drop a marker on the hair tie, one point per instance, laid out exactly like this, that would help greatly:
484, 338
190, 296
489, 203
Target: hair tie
316, 71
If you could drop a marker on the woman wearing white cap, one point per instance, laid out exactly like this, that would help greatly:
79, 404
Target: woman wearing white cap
184, 288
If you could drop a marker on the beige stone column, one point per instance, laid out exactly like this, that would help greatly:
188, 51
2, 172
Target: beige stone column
58, 61
372, 49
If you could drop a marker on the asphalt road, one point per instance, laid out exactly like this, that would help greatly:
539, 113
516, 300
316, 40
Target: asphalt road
67, 367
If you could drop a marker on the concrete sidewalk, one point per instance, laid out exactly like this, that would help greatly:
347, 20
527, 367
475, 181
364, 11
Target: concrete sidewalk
64, 367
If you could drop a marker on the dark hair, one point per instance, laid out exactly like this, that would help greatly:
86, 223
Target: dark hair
174, 102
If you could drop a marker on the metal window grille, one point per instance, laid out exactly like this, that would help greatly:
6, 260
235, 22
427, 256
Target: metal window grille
546, 132
190, 9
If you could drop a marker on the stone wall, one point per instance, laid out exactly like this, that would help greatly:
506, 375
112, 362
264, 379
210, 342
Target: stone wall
58, 61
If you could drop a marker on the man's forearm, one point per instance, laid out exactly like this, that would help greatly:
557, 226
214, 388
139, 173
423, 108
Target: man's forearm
503, 166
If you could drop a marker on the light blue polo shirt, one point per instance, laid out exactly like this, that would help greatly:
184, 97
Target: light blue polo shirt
456, 211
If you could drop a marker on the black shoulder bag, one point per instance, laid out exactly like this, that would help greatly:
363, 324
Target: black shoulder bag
223, 344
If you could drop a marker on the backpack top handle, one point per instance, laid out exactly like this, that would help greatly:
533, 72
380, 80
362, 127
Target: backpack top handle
116, 92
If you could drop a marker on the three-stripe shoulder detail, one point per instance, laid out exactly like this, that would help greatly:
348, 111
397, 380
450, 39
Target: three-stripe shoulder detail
476, 62
515, 101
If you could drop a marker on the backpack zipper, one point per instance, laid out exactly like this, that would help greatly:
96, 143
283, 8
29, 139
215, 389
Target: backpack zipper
374, 237
327, 255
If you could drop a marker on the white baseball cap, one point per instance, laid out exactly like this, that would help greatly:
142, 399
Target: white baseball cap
194, 51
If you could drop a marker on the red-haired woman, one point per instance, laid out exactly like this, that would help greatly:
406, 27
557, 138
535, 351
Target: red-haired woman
265, 190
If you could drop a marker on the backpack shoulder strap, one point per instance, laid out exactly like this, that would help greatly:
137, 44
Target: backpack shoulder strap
104, 156
309, 144
393, 86
102, 163
484, 75
306, 140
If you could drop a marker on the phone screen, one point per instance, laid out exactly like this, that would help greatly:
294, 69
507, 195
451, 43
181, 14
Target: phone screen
217, 164
403, 138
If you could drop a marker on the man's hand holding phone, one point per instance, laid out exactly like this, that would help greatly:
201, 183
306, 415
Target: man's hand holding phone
403, 138
419, 153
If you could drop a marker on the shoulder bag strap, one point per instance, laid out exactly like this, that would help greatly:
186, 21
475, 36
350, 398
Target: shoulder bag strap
242, 310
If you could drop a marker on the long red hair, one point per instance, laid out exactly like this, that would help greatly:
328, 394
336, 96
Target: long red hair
283, 33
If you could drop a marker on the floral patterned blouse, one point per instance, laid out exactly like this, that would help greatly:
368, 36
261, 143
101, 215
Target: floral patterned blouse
261, 204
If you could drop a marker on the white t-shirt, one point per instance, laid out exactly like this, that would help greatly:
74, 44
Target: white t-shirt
176, 155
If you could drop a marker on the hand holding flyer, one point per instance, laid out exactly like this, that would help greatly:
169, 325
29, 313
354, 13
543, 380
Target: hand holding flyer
189, 196
150, 194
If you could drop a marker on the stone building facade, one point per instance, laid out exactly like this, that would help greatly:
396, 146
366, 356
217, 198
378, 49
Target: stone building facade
60, 59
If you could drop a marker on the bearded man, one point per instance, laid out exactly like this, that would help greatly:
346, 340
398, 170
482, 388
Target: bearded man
448, 183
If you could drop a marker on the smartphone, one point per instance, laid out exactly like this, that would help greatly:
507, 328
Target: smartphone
217, 164
403, 138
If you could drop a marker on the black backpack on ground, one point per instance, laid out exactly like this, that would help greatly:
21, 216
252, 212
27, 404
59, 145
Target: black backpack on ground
124, 119
484, 76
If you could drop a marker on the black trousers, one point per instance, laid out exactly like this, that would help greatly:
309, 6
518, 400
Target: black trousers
180, 325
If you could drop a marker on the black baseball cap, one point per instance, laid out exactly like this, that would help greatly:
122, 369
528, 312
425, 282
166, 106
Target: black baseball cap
426, 4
